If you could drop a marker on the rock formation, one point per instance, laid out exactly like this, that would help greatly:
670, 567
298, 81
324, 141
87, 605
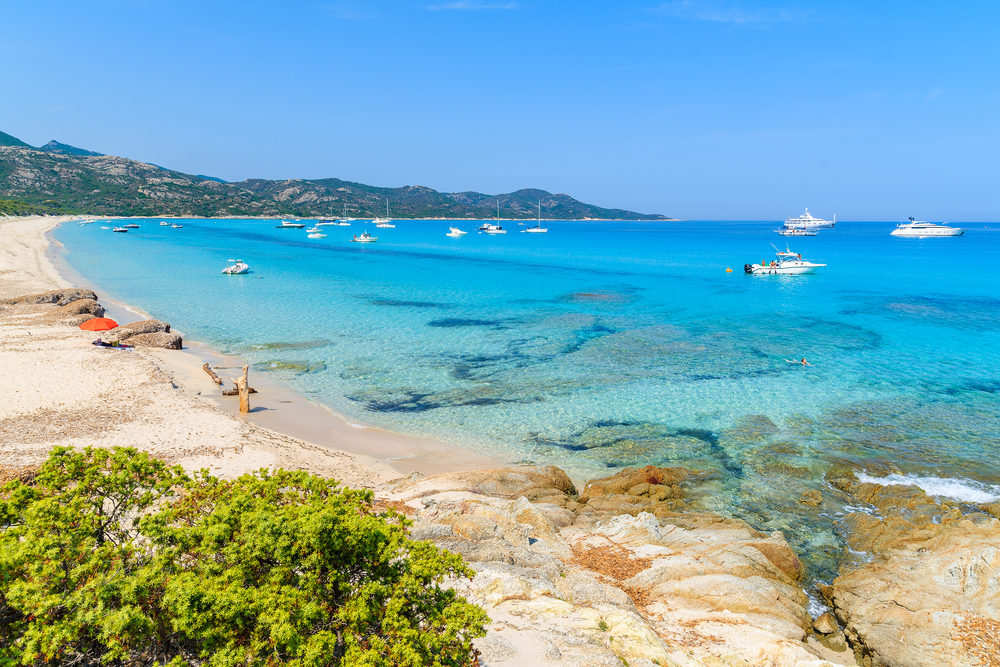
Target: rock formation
598, 580
148, 333
930, 594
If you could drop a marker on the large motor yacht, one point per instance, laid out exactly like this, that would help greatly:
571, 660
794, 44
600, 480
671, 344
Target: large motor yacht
922, 230
807, 221
788, 263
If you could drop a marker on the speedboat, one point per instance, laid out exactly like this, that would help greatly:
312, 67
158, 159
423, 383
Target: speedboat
343, 223
313, 230
492, 229
120, 230
316, 235
176, 226
922, 230
235, 267
455, 232
794, 231
164, 224
365, 238
807, 221
788, 263
288, 224
325, 223
132, 225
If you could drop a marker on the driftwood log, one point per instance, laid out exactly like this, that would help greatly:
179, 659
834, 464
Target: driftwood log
215, 378
244, 387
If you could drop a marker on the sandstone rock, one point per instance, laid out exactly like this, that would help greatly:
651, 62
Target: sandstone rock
543, 483
126, 331
636, 481
900, 610
167, 341
75, 320
825, 624
60, 297
79, 307
475, 527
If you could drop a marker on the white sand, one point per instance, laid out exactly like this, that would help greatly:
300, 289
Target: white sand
58, 389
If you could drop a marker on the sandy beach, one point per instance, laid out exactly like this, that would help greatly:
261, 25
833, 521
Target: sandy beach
61, 390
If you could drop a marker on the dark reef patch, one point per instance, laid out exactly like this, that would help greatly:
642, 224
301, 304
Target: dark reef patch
459, 322
402, 303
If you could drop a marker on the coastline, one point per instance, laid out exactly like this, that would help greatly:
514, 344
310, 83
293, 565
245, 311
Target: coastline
32, 264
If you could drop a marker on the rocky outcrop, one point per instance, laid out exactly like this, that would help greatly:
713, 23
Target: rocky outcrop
77, 312
566, 584
933, 571
126, 331
167, 341
59, 297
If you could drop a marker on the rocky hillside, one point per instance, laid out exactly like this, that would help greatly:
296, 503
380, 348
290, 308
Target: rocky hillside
59, 178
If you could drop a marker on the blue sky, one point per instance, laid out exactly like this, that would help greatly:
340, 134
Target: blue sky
695, 109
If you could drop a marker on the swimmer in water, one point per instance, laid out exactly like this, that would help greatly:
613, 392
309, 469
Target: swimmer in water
803, 362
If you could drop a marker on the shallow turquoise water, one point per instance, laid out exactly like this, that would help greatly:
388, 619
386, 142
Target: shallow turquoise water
600, 345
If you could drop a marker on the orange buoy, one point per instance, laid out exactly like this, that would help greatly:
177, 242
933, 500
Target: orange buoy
728, 270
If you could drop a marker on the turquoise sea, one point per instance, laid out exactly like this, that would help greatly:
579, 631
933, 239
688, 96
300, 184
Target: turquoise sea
601, 345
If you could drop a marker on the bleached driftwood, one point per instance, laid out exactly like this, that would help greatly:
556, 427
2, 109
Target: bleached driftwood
215, 378
244, 387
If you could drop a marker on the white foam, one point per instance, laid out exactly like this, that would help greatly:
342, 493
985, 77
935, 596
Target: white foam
965, 490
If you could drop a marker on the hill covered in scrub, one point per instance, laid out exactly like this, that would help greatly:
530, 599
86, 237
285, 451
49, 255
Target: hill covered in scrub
61, 179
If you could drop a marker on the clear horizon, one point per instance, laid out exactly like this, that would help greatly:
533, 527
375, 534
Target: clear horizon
690, 109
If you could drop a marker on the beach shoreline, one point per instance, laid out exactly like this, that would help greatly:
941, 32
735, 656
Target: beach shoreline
33, 263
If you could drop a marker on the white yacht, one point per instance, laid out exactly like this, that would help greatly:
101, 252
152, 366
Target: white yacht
176, 226
120, 230
235, 267
455, 232
288, 224
537, 229
365, 238
807, 221
316, 235
922, 230
788, 263
164, 223
325, 223
795, 231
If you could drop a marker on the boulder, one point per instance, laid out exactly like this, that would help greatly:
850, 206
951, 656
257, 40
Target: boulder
60, 297
648, 481
126, 331
167, 341
546, 483
79, 307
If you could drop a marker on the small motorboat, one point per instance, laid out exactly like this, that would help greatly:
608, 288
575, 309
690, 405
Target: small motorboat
316, 235
313, 230
288, 224
325, 223
164, 224
492, 229
455, 232
120, 230
788, 263
235, 267
365, 238
132, 225
176, 226
795, 231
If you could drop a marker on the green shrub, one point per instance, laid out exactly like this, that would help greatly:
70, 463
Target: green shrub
113, 557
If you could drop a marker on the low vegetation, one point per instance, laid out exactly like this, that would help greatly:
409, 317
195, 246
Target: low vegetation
112, 557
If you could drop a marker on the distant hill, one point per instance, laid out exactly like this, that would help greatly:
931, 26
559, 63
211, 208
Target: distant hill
66, 149
65, 179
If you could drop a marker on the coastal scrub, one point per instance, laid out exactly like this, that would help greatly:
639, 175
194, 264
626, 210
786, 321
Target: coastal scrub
112, 556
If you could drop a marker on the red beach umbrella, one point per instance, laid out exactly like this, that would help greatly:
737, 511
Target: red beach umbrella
99, 324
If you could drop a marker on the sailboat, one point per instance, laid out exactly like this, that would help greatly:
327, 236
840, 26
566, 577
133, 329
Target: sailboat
537, 229
494, 229
386, 222
345, 221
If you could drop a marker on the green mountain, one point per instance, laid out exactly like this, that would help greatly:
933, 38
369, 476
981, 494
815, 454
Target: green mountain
59, 178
